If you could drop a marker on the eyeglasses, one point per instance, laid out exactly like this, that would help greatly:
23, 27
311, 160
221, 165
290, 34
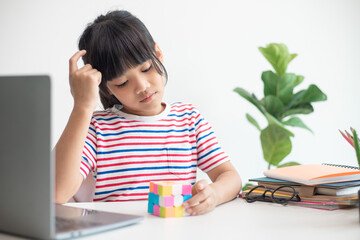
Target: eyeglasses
282, 194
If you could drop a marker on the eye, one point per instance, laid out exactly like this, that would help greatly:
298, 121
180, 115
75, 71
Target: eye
122, 85
148, 69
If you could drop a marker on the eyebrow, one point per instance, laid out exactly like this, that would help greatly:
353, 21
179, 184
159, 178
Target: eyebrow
140, 65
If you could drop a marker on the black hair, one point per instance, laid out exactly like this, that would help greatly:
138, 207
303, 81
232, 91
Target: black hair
114, 43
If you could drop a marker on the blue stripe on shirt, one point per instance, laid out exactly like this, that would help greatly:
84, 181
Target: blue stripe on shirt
108, 119
198, 122
215, 149
92, 148
175, 115
204, 136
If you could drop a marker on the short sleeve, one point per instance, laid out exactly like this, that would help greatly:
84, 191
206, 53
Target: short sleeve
209, 152
88, 161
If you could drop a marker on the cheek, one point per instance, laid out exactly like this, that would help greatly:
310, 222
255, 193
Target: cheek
123, 96
160, 81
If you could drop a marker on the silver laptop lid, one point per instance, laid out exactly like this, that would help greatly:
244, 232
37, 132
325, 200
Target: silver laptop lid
26, 199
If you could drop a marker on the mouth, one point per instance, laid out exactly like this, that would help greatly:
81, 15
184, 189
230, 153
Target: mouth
148, 98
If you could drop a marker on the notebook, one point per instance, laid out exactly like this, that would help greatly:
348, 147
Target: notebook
27, 169
332, 189
314, 174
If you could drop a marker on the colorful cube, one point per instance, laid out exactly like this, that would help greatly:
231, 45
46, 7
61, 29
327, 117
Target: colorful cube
166, 198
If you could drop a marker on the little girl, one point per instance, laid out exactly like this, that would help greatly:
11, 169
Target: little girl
138, 138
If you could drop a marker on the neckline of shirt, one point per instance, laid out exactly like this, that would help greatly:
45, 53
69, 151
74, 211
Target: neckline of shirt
153, 118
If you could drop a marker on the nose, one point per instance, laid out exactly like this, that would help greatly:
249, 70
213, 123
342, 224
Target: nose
142, 84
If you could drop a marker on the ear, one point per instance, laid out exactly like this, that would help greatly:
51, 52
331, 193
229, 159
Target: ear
159, 52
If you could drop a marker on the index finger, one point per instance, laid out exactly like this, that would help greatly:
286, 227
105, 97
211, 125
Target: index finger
199, 195
74, 59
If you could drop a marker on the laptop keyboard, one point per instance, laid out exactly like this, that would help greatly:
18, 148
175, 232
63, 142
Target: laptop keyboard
66, 224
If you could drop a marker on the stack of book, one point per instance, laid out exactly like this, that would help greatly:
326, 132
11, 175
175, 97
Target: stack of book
321, 186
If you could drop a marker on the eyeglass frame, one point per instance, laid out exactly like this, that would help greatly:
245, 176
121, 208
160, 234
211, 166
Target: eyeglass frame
273, 198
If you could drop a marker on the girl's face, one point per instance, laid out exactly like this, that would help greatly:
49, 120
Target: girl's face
140, 89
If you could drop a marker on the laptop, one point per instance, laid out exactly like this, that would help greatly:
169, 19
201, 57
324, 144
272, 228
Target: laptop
27, 171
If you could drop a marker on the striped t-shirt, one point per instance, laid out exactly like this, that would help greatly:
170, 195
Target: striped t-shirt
125, 152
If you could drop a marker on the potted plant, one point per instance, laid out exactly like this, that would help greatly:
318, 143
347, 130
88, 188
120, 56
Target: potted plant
280, 104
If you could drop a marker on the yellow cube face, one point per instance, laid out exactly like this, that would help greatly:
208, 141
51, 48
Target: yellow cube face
179, 211
166, 212
165, 190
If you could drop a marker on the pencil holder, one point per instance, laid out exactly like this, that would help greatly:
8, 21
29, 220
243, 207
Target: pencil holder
166, 198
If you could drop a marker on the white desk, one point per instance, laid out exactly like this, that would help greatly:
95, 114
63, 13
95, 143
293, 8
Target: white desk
234, 220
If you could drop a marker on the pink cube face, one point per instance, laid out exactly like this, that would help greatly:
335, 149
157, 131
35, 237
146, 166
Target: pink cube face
186, 189
166, 201
157, 210
155, 189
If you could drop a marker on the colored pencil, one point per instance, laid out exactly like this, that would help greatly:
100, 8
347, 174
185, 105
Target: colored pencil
347, 139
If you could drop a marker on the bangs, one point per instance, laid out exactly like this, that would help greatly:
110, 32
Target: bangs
116, 47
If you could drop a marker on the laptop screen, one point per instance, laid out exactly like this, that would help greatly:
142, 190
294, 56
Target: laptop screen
25, 182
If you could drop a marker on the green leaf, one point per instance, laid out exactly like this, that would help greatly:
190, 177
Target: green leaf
247, 185
275, 143
292, 56
356, 146
288, 164
272, 120
284, 59
313, 94
296, 122
299, 79
278, 56
296, 100
279, 86
251, 98
301, 109
270, 54
253, 121
273, 105
270, 83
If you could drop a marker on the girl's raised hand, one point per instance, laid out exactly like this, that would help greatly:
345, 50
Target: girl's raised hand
84, 83
204, 199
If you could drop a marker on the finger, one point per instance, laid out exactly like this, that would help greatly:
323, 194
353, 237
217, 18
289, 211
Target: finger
205, 206
97, 75
86, 68
196, 199
74, 59
94, 73
202, 192
199, 186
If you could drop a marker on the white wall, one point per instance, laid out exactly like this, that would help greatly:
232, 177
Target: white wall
210, 48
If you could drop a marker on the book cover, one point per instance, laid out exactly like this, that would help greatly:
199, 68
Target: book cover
318, 190
346, 184
314, 174
334, 189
